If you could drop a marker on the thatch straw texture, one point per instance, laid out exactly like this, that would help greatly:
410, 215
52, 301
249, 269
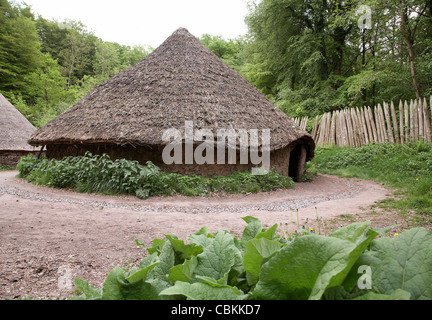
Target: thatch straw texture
180, 81
15, 129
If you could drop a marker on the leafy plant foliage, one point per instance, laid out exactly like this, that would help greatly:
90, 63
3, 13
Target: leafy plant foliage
93, 173
262, 265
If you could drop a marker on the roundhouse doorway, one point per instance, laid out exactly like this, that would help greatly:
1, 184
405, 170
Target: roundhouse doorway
297, 162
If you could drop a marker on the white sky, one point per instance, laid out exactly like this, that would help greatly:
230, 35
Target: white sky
148, 22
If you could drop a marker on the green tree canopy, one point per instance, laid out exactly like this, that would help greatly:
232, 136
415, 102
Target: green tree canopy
312, 56
19, 48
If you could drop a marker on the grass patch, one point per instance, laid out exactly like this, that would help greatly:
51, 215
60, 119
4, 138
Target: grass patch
407, 168
100, 174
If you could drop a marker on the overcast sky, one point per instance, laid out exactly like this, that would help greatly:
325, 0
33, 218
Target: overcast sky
148, 22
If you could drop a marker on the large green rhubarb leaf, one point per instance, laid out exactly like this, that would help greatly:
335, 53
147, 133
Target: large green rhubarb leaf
117, 287
204, 291
183, 251
183, 272
258, 251
219, 257
88, 292
309, 265
403, 262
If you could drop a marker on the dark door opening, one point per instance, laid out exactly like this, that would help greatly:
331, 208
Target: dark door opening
296, 163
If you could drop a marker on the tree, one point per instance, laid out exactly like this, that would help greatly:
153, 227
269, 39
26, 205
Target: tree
78, 50
47, 85
46, 65
52, 36
303, 50
412, 12
132, 55
19, 48
46, 89
311, 56
227, 50
107, 60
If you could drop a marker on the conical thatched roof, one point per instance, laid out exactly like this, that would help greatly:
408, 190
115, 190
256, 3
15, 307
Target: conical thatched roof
180, 81
15, 129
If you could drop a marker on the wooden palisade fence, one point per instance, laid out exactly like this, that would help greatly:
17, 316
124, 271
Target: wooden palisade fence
354, 127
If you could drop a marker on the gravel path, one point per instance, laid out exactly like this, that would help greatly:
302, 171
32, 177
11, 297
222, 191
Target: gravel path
352, 188
48, 236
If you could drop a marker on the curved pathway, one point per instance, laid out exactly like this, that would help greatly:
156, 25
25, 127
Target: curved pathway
45, 231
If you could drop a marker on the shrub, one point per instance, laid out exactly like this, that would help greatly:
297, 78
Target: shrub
91, 173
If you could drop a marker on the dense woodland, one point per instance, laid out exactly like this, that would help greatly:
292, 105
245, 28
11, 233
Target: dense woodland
309, 57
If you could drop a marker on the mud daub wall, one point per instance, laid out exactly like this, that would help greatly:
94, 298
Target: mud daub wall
11, 158
279, 159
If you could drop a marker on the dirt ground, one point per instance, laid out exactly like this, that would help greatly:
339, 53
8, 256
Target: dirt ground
49, 237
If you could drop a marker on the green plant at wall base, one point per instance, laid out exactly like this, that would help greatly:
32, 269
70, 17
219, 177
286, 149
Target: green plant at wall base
6, 168
263, 265
92, 173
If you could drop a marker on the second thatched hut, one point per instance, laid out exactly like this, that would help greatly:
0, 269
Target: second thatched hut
15, 130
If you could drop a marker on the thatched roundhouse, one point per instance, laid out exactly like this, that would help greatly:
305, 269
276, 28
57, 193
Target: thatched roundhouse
181, 81
15, 130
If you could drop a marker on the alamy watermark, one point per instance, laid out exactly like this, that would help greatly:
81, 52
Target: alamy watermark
221, 149
64, 282
365, 20
365, 280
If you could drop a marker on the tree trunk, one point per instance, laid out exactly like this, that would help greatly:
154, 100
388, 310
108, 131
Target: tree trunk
409, 42
374, 69
320, 31
364, 91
